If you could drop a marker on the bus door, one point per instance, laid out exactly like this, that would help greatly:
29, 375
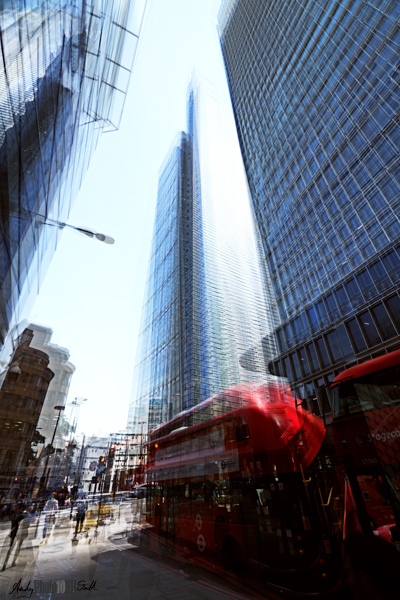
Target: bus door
299, 530
284, 520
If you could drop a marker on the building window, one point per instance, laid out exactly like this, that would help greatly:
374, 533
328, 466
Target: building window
332, 306
313, 357
344, 341
311, 398
334, 346
322, 396
329, 379
342, 300
296, 329
304, 362
296, 366
278, 369
288, 335
366, 285
392, 264
393, 305
312, 318
379, 275
383, 322
322, 316
323, 354
281, 341
287, 368
353, 292
356, 336
369, 329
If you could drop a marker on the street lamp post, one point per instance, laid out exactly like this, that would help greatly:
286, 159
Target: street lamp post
43, 220
50, 447
141, 445
60, 409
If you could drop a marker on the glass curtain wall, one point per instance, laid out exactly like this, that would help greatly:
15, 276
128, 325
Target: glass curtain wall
316, 97
207, 302
64, 72
156, 385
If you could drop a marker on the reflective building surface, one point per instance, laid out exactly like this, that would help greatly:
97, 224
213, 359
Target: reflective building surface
58, 390
207, 305
316, 97
261, 457
64, 73
34, 430
22, 398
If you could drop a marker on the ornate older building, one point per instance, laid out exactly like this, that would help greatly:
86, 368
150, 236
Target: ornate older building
21, 401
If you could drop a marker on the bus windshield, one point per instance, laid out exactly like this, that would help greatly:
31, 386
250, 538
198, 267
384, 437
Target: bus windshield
366, 393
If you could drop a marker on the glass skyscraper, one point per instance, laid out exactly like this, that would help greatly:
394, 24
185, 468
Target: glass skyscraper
207, 304
316, 97
64, 73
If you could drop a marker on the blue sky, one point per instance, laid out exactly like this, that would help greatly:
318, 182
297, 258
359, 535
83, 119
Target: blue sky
92, 293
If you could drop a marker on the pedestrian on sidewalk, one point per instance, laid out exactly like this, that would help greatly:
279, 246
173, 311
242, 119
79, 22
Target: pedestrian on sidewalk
25, 529
17, 515
80, 516
50, 510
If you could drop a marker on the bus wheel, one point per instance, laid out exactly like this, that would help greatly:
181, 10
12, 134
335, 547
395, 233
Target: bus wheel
232, 558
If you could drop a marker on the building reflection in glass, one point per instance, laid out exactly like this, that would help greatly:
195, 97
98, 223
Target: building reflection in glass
21, 401
36, 454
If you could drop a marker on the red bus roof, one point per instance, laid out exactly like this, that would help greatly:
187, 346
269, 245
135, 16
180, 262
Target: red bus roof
370, 366
250, 392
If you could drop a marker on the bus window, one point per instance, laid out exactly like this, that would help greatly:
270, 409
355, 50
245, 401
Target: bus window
345, 400
236, 430
230, 432
369, 392
242, 430
386, 385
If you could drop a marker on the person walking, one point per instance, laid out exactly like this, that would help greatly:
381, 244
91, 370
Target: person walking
80, 516
25, 528
50, 510
17, 515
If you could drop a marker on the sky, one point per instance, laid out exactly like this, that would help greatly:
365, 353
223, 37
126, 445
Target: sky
92, 294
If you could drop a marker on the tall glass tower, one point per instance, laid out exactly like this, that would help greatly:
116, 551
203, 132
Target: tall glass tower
64, 72
316, 97
207, 307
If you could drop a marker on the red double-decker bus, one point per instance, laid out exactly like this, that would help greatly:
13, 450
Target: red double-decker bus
240, 484
366, 433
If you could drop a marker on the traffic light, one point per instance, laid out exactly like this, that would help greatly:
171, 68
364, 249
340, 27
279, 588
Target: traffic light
101, 466
111, 453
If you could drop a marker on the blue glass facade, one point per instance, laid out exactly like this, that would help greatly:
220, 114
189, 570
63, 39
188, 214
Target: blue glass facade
315, 90
206, 306
64, 72
157, 377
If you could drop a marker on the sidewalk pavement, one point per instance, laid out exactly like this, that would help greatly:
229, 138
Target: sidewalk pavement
108, 567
